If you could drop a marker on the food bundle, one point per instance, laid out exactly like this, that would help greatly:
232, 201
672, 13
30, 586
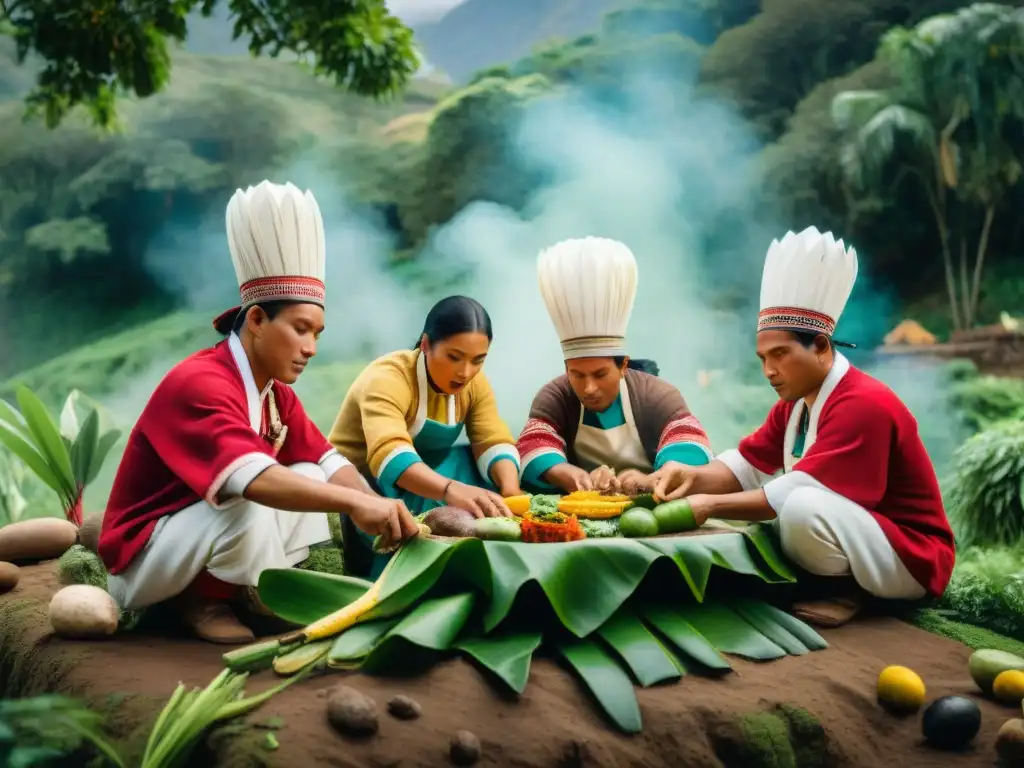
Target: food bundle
552, 518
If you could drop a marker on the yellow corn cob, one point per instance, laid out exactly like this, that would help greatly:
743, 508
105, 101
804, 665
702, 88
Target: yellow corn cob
595, 496
343, 618
519, 505
595, 510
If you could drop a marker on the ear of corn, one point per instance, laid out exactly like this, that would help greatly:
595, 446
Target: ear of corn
340, 620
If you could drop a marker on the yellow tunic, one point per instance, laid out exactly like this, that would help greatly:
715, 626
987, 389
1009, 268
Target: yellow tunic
381, 416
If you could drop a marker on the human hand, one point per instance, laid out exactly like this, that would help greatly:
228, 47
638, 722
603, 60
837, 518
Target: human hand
568, 478
388, 518
673, 481
633, 482
479, 501
702, 507
603, 479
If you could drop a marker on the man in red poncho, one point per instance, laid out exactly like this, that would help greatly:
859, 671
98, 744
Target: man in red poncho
224, 475
858, 495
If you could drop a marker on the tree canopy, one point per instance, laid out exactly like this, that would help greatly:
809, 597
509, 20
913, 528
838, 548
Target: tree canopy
92, 50
80, 210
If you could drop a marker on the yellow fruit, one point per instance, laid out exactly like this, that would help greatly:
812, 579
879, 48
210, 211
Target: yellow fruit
1009, 686
900, 689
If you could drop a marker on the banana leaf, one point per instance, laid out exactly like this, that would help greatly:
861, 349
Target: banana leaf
302, 597
585, 582
507, 657
611, 634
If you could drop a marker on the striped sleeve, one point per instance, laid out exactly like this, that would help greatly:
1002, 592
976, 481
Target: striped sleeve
542, 443
683, 440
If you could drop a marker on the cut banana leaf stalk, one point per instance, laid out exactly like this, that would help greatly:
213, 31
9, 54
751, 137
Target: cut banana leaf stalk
256, 657
304, 656
353, 645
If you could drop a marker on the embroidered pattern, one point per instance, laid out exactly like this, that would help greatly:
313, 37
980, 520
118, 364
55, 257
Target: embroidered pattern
685, 430
795, 319
538, 435
283, 287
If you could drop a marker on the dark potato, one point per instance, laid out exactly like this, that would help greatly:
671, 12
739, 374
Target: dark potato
451, 521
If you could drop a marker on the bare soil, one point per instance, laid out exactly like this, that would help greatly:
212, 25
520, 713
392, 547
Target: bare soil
696, 722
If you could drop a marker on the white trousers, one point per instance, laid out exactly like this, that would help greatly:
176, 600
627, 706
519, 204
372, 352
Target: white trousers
235, 545
830, 535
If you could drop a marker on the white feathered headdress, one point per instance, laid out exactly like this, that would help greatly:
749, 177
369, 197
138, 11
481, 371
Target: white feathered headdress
276, 238
589, 286
806, 282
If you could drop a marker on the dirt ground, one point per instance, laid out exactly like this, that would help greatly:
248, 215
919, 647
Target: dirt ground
696, 722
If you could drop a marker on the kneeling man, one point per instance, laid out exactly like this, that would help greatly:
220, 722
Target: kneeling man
858, 495
224, 475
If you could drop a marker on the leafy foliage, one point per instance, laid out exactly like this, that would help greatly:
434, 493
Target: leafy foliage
983, 401
66, 458
947, 121
94, 49
36, 731
986, 500
987, 589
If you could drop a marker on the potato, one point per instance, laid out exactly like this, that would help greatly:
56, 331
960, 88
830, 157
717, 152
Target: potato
44, 538
9, 577
451, 521
82, 611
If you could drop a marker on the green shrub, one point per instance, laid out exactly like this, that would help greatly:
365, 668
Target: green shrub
987, 590
981, 401
986, 494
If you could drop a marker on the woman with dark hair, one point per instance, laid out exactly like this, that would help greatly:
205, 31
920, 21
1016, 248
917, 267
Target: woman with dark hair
401, 418
608, 422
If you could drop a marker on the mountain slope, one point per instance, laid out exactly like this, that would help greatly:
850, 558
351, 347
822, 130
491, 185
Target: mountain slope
481, 33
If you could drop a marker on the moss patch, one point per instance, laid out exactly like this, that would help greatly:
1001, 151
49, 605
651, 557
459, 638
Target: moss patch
324, 560
782, 736
934, 621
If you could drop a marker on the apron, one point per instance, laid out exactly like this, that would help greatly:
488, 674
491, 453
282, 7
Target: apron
619, 448
434, 441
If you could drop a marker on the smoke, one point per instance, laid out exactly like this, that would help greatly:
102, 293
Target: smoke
660, 172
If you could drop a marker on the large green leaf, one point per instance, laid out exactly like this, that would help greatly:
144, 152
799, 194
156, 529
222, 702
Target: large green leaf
778, 626
642, 652
727, 631
47, 438
414, 569
353, 645
33, 459
303, 597
607, 681
505, 656
684, 637
83, 449
432, 625
11, 417
103, 447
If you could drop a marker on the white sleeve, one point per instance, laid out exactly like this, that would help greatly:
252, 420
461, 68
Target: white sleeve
749, 476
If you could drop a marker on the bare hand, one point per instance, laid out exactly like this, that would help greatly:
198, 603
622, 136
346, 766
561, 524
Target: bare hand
387, 518
479, 501
603, 479
633, 482
702, 506
568, 478
673, 481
